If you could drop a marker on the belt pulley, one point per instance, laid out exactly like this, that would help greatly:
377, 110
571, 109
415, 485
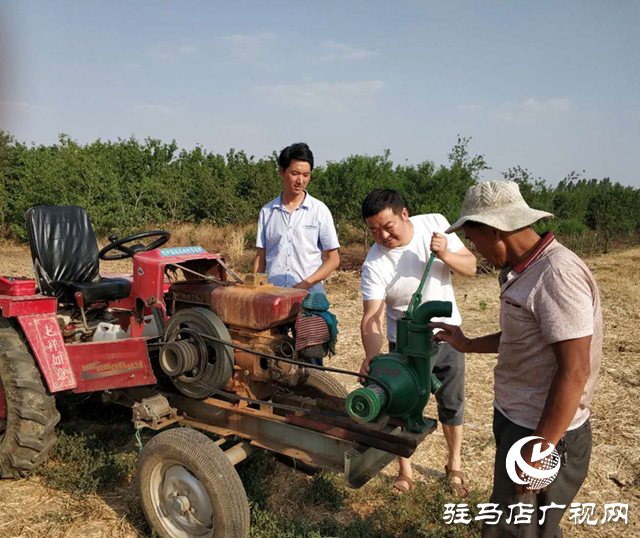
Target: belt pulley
170, 349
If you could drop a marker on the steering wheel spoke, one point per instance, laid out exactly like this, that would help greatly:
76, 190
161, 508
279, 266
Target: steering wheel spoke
131, 250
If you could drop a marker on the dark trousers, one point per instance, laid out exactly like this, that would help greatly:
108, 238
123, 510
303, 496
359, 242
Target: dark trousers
575, 451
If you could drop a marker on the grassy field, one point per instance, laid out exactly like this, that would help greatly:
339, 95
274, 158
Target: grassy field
87, 488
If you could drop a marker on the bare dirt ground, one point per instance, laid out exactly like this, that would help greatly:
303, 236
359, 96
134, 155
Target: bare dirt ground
29, 509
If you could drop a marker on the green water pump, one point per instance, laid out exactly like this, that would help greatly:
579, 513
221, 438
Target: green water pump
404, 375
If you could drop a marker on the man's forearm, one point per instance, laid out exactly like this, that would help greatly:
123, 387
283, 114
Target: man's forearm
462, 264
259, 263
329, 265
371, 332
561, 406
484, 344
566, 388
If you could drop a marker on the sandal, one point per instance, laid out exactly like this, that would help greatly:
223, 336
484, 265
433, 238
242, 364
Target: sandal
402, 484
456, 488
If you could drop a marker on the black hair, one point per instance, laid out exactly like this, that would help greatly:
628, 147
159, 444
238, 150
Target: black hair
295, 152
381, 199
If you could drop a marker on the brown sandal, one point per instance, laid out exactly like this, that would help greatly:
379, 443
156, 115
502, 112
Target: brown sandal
402, 484
457, 489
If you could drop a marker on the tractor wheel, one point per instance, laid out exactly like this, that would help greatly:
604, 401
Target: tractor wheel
28, 413
320, 384
189, 488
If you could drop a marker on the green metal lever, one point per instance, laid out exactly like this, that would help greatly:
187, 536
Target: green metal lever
416, 298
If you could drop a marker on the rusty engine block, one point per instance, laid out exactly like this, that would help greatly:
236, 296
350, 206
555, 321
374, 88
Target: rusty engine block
257, 315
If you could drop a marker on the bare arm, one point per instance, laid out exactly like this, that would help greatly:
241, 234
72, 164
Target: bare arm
330, 264
574, 367
260, 261
460, 342
371, 331
461, 262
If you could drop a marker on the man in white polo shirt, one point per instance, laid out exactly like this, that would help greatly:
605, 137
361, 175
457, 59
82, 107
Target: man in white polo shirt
390, 275
549, 351
295, 229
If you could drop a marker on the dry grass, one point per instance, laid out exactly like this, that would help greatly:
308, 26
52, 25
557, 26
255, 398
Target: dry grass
29, 509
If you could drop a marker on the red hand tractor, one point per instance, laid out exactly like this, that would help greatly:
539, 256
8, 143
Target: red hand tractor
183, 342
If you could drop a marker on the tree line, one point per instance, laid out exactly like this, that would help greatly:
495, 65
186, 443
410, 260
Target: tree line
129, 184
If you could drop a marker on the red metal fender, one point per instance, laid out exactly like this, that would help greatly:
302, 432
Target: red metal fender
25, 305
43, 333
111, 365
86, 367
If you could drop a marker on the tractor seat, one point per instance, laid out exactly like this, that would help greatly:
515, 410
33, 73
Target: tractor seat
105, 289
64, 250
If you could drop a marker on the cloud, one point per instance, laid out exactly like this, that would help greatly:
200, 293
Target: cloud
522, 112
240, 129
470, 108
22, 109
152, 109
15, 105
167, 53
161, 53
243, 48
22, 106
188, 49
324, 96
532, 110
339, 52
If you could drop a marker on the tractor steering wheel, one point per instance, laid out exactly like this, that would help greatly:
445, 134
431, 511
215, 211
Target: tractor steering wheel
131, 251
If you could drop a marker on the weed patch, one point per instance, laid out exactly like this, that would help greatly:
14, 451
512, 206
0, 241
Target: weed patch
326, 489
83, 465
94, 451
325, 508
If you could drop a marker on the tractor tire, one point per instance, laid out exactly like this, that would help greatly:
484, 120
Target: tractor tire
320, 384
28, 413
189, 488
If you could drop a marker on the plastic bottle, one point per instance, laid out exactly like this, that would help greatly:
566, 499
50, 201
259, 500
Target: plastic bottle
108, 332
150, 326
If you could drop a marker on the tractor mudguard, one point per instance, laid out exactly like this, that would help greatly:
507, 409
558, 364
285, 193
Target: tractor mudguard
44, 336
86, 367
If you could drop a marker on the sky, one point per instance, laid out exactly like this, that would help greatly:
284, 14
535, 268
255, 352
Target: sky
553, 87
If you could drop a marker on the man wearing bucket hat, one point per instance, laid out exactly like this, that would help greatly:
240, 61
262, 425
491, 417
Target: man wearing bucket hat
549, 351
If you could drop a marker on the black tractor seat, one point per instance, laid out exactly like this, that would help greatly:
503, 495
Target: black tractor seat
64, 250
104, 289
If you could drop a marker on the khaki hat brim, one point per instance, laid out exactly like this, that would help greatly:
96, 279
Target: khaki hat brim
505, 220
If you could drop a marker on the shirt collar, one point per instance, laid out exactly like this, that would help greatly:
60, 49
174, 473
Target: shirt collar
306, 203
545, 240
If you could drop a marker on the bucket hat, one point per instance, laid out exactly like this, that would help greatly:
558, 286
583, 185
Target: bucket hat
498, 204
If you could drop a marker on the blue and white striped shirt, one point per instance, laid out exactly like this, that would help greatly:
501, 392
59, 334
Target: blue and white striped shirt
294, 242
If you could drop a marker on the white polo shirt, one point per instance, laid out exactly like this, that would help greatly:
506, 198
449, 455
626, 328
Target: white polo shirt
393, 275
294, 242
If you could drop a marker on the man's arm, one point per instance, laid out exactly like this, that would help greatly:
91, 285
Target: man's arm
461, 262
371, 331
563, 399
330, 264
260, 261
460, 342
574, 367
564, 310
